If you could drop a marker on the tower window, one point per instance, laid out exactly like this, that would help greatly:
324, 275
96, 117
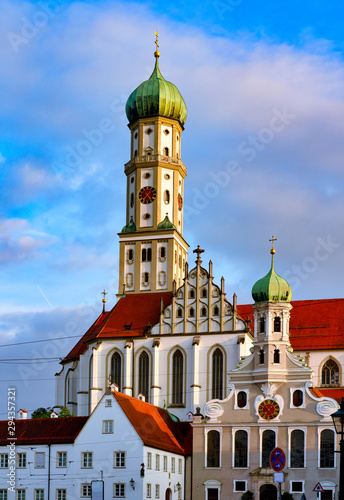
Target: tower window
162, 278
132, 179
276, 356
166, 131
145, 279
216, 311
277, 324
130, 255
116, 370
144, 375
149, 254
135, 135
167, 197
135, 152
130, 280
192, 294
204, 293
149, 131
147, 175
261, 357
203, 311
261, 324
179, 312
146, 216
167, 176
144, 254
162, 253
166, 152
132, 200
191, 312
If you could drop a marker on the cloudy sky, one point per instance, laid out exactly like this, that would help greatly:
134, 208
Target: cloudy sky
263, 145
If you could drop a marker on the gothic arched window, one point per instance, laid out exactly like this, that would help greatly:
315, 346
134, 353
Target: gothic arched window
240, 449
177, 378
191, 312
217, 382
268, 444
213, 449
144, 375
327, 449
116, 370
330, 373
297, 452
179, 312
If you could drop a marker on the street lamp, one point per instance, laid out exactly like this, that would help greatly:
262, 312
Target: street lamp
338, 422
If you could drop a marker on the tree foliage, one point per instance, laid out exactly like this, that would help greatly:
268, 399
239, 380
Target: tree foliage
41, 413
248, 495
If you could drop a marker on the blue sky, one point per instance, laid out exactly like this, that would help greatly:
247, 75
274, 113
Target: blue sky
263, 145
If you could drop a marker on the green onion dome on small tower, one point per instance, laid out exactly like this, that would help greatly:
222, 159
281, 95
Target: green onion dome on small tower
271, 288
156, 97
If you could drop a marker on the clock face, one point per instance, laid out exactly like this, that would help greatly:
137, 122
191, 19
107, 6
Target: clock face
268, 409
180, 202
147, 194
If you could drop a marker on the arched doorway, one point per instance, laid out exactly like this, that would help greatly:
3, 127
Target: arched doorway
268, 492
168, 495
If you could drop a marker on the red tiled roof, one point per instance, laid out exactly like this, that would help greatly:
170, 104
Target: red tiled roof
128, 318
314, 324
43, 430
155, 426
336, 394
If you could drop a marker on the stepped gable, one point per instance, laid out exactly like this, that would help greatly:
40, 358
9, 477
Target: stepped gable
314, 324
130, 317
155, 426
43, 430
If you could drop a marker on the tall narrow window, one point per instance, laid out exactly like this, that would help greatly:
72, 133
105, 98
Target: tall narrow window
179, 313
116, 370
177, 378
204, 292
277, 324
241, 399
162, 252
203, 311
297, 452
297, 398
213, 449
149, 254
132, 200
166, 152
276, 356
240, 449
330, 373
144, 375
167, 197
217, 382
327, 449
261, 357
130, 255
261, 324
191, 312
144, 255
268, 444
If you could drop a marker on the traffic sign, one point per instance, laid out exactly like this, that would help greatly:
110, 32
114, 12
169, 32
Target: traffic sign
318, 487
277, 459
303, 497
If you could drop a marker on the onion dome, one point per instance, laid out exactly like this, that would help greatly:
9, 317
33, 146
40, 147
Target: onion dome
156, 97
166, 224
129, 228
271, 288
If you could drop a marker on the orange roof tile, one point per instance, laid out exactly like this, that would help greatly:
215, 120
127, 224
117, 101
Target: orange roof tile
43, 430
314, 324
155, 426
129, 318
336, 394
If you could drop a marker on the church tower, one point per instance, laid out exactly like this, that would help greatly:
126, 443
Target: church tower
153, 252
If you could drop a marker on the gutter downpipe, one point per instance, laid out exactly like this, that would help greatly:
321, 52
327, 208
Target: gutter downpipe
49, 445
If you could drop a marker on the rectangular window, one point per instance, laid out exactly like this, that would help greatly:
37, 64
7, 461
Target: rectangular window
21, 461
157, 491
119, 459
87, 460
180, 466
296, 486
3, 494
20, 494
240, 486
3, 460
61, 494
108, 403
39, 495
107, 426
157, 462
86, 490
39, 460
61, 459
119, 490
149, 460
165, 463
173, 464
149, 490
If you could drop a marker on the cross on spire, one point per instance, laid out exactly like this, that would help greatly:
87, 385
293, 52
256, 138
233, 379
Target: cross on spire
273, 239
198, 250
104, 293
156, 53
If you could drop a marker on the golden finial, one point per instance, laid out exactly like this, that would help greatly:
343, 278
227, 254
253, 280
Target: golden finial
156, 53
104, 293
273, 239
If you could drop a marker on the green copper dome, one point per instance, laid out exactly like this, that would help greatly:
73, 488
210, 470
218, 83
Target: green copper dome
166, 224
271, 288
129, 228
156, 97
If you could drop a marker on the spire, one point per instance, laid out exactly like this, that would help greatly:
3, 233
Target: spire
104, 293
156, 53
198, 250
272, 251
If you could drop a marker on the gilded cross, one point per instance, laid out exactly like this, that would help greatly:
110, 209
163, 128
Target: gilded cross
273, 239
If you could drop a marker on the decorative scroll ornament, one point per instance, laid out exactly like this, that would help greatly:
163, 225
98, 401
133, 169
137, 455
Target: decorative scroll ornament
214, 409
325, 407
